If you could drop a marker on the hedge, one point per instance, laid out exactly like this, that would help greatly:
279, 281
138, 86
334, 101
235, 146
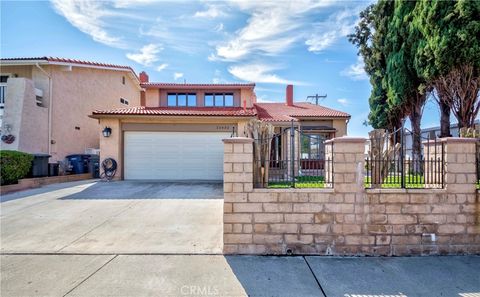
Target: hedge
14, 165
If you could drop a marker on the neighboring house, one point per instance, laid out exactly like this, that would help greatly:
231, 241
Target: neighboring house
432, 133
45, 102
177, 132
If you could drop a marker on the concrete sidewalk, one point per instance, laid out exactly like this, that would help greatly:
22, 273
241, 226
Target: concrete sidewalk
202, 275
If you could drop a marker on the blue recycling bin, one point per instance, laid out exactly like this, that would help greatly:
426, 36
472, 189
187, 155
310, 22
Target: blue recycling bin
78, 163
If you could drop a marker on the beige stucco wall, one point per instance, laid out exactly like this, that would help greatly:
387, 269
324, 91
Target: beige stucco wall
77, 94
17, 71
341, 126
76, 91
112, 147
152, 98
25, 120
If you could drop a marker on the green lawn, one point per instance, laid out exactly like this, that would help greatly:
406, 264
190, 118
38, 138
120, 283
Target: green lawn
300, 182
390, 182
411, 181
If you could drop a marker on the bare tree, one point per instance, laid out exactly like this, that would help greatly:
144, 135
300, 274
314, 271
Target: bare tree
381, 154
262, 134
461, 88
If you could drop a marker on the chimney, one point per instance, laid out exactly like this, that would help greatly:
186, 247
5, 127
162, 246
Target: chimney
143, 77
289, 95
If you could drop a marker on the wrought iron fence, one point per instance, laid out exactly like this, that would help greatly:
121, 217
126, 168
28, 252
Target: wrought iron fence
292, 158
390, 163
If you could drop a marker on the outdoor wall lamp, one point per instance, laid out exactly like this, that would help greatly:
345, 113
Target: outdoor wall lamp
107, 132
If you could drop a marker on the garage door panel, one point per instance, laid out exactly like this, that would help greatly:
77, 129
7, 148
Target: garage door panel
174, 155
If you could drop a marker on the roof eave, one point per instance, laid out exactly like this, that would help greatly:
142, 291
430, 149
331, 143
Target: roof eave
143, 116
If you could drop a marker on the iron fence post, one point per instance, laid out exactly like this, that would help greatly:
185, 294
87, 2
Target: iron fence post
402, 160
292, 154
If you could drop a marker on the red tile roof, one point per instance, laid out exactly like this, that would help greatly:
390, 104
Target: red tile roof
162, 84
180, 111
68, 61
280, 112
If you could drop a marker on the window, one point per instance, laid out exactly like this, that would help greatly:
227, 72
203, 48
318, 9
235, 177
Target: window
228, 99
181, 99
123, 79
313, 146
219, 99
172, 99
192, 99
209, 99
124, 101
3, 89
39, 100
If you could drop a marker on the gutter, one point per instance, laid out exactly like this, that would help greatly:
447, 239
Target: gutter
50, 106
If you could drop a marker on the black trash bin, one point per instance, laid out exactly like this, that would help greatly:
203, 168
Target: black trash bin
39, 165
53, 169
94, 166
78, 163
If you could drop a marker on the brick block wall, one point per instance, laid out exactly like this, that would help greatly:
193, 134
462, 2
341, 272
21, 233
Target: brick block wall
349, 220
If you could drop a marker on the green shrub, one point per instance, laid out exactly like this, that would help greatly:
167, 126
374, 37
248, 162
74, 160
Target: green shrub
14, 166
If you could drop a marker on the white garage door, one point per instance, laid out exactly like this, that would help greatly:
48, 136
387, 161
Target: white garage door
174, 155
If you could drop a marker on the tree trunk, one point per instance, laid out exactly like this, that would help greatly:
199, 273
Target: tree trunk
415, 119
444, 118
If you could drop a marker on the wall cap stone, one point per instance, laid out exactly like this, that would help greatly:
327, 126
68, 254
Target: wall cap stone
238, 140
453, 139
347, 139
295, 190
406, 191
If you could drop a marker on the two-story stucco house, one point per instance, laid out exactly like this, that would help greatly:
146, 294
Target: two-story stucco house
177, 132
45, 102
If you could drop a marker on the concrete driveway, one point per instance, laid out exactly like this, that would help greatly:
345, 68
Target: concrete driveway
114, 218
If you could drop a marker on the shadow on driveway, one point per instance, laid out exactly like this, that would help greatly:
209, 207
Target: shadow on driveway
150, 190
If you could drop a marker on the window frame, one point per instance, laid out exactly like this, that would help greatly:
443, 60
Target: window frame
187, 95
124, 101
219, 95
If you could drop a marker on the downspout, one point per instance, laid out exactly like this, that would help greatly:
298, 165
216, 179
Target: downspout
50, 106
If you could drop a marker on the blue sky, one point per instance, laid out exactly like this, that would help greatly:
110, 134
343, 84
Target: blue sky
270, 43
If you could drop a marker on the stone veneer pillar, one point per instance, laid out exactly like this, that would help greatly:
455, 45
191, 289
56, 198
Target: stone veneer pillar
348, 164
460, 165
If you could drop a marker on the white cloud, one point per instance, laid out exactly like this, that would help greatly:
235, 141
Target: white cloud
161, 67
147, 55
356, 71
343, 101
326, 33
87, 16
264, 99
131, 3
272, 28
259, 73
213, 11
177, 75
219, 28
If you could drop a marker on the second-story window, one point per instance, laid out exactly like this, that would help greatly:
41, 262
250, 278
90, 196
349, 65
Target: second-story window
219, 99
181, 99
